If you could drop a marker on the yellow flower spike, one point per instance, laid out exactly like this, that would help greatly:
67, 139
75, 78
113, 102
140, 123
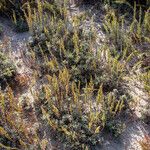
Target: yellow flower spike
112, 105
62, 46
76, 42
97, 129
66, 131
46, 116
121, 105
2, 102
3, 132
28, 16
7, 147
23, 144
100, 95
14, 17
55, 110
91, 119
90, 124
48, 92
103, 119
109, 99
117, 107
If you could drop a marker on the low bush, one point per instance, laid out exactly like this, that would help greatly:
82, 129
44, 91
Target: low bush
13, 131
145, 79
131, 2
60, 43
84, 92
79, 116
14, 10
126, 39
7, 69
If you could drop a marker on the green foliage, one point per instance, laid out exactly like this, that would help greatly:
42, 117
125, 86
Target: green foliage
15, 132
14, 10
124, 36
11, 130
8, 6
60, 43
116, 127
21, 26
84, 93
128, 2
145, 78
7, 69
79, 116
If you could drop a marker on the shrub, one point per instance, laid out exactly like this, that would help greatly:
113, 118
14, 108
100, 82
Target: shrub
13, 9
59, 43
7, 69
15, 132
78, 115
7, 7
125, 37
84, 93
145, 79
126, 3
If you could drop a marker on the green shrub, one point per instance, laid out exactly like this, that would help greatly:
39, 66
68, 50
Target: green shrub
14, 9
78, 116
21, 26
61, 44
145, 79
16, 132
7, 69
84, 93
125, 36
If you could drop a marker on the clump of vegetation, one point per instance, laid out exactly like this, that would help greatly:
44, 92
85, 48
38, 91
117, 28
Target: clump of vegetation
145, 79
79, 115
126, 41
12, 130
60, 43
17, 131
129, 3
14, 10
7, 69
77, 77
10, 6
